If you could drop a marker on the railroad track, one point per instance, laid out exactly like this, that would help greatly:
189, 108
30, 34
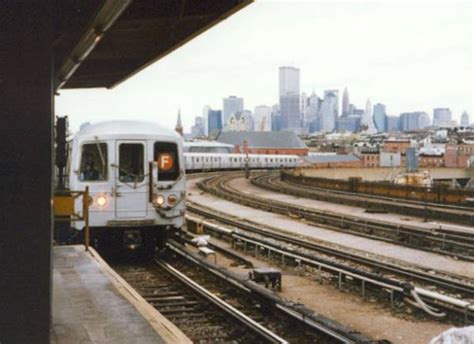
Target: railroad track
445, 212
454, 295
453, 243
212, 307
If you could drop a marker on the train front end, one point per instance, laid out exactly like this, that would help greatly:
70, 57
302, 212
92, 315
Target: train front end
136, 179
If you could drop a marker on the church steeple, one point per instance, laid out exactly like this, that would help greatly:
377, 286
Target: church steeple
179, 124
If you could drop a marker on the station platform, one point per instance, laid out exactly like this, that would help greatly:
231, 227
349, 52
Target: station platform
92, 304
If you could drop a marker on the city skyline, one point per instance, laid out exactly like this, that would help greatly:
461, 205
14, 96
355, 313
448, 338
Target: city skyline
386, 61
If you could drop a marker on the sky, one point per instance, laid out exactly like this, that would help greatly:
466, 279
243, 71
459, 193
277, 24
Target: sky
408, 55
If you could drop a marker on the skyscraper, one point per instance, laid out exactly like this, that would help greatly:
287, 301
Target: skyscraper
345, 103
367, 120
313, 109
393, 123
328, 113
380, 117
442, 117
214, 119
205, 114
290, 112
410, 121
231, 105
465, 119
304, 109
262, 118
197, 130
289, 90
289, 80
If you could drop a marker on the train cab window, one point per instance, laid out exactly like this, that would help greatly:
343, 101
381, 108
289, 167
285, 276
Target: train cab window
93, 162
131, 162
166, 154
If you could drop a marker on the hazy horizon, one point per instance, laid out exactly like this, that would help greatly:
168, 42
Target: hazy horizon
411, 56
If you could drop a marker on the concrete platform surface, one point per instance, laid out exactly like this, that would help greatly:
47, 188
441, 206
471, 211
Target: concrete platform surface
91, 304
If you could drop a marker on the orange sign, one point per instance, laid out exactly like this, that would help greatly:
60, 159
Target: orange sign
165, 162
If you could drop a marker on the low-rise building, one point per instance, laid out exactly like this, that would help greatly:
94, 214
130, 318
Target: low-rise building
396, 146
388, 159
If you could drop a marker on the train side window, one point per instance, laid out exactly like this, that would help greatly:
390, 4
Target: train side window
166, 154
93, 162
131, 162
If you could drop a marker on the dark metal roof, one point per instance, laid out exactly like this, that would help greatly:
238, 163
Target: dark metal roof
263, 139
140, 33
331, 158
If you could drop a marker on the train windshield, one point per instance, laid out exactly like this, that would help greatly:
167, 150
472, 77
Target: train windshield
131, 163
94, 162
166, 155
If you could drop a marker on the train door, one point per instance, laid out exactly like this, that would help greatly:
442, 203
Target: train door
130, 181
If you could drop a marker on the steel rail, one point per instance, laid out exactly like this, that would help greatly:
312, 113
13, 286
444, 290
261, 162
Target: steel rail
342, 335
449, 282
374, 229
457, 214
395, 286
227, 308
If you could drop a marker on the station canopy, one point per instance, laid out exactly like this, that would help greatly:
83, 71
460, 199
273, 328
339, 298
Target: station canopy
102, 43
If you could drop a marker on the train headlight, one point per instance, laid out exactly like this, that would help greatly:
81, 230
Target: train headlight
159, 200
101, 201
172, 200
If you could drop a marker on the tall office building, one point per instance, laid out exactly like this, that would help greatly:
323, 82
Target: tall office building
262, 118
290, 112
465, 119
205, 113
393, 123
231, 105
328, 112
410, 121
313, 109
442, 117
424, 120
289, 91
304, 108
348, 123
345, 103
197, 130
367, 120
380, 117
289, 80
214, 120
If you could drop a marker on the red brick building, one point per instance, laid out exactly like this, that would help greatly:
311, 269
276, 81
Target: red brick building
458, 155
431, 160
396, 146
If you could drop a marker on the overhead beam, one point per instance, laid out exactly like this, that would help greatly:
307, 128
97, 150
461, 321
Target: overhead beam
102, 21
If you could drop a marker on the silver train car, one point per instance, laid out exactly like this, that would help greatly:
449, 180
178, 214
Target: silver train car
135, 172
195, 162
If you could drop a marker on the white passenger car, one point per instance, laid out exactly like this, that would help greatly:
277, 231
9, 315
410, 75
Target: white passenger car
216, 161
136, 179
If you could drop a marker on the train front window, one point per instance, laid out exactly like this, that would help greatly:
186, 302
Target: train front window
93, 162
131, 163
166, 155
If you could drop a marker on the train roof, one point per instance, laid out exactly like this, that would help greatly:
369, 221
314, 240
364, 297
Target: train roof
203, 143
124, 128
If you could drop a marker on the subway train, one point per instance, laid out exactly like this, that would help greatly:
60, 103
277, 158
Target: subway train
135, 172
137, 185
201, 162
